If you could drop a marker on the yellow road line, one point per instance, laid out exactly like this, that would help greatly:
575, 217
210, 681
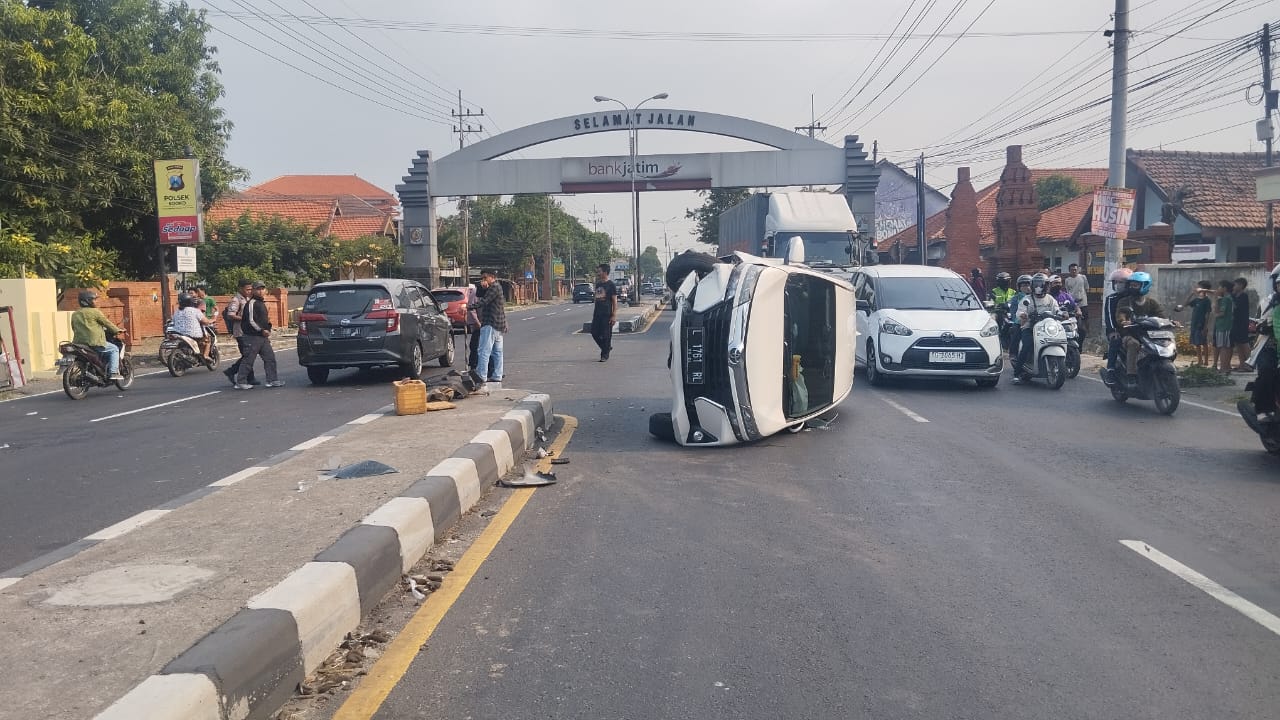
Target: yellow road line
400, 653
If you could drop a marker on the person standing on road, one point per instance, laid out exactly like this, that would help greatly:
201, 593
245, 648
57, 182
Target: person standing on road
208, 305
1078, 286
1240, 325
1223, 317
1201, 304
234, 318
493, 325
605, 313
256, 327
473, 329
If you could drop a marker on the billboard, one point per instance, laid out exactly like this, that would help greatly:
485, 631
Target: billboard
650, 172
178, 201
1112, 212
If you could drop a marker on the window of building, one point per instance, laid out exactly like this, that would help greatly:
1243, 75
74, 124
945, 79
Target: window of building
1249, 254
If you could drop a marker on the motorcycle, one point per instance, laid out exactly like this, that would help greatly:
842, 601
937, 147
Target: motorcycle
1070, 325
1048, 352
1000, 313
1156, 378
184, 354
83, 368
1269, 433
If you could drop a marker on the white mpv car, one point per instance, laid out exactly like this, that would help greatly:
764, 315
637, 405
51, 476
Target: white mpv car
923, 321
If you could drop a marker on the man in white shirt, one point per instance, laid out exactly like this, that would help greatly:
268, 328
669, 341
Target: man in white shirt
1035, 305
1078, 286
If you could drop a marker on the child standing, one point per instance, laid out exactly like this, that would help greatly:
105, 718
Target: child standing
1200, 303
1223, 315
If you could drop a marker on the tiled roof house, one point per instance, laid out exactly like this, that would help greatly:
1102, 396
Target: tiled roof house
344, 207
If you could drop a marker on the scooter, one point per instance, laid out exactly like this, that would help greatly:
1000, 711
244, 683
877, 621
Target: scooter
1269, 433
184, 354
1048, 352
83, 368
1070, 327
1156, 378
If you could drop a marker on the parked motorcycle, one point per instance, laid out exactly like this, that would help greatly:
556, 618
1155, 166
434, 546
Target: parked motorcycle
83, 368
184, 354
1048, 352
1070, 325
1156, 378
1269, 433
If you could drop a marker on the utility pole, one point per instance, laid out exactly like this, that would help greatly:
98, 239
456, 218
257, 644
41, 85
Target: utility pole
548, 271
920, 233
1268, 106
1119, 118
462, 128
813, 122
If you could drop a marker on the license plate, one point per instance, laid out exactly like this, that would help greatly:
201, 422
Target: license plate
62, 362
694, 371
1160, 334
946, 357
347, 332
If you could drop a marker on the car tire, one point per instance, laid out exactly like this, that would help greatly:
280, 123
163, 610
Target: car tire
446, 360
874, 376
662, 427
413, 368
688, 262
318, 375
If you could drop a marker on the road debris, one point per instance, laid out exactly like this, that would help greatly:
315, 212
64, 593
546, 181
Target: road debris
364, 468
530, 479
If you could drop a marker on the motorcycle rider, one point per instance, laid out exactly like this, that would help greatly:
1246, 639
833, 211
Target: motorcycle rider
1110, 322
1264, 398
90, 327
1135, 304
1000, 295
190, 322
1031, 308
1015, 337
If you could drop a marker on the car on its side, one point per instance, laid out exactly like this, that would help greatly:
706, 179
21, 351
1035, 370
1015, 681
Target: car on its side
454, 302
757, 346
372, 323
922, 321
584, 292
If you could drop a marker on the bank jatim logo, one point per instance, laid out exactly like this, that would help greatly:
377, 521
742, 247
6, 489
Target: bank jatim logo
176, 182
643, 169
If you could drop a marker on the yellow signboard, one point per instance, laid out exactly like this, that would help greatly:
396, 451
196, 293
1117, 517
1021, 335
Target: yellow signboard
178, 200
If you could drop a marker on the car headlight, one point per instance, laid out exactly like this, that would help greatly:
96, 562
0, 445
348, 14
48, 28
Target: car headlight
991, 329
893, 327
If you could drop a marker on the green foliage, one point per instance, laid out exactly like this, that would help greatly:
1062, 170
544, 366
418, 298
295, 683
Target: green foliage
91, 93
278, 251
1056, 189
707, 217
374, 254
650, 265
70, 259
1201, 376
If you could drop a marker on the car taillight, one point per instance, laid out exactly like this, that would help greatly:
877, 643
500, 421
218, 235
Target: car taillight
391, 316
305, 318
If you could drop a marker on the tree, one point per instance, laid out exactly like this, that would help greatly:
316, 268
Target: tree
707, 217
650, 265
91, 93
278, 251
1056, 189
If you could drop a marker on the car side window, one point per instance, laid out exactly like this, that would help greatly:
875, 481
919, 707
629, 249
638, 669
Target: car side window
411, 298
869, 293
429, 302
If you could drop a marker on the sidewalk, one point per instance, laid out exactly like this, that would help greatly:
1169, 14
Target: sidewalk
217, 604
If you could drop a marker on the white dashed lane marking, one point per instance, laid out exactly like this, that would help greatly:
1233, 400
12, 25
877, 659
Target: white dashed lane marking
234, 478
128, 525
308, 444
6, 582
904, 410
365, 419
157, 405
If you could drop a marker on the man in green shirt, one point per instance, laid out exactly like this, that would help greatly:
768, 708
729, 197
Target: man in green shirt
208, 304
90, 327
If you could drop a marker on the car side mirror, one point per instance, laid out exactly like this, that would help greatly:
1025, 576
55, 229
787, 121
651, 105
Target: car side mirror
862, 305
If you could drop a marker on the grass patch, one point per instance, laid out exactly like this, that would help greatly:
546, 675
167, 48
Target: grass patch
1201, 376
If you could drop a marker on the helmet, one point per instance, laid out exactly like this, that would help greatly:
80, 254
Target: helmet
186, 300
1024, 278
87, 298
1039, 283
1006, 277
1275, 274
1144, 281
1119, 277
1055, 279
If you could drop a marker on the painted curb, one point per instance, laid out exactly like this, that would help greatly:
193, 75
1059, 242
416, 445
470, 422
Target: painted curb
248, 667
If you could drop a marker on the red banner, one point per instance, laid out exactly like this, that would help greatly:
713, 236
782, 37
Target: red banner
180, 230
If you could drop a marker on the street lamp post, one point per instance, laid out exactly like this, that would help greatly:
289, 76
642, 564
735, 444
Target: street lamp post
633, 138
665, 242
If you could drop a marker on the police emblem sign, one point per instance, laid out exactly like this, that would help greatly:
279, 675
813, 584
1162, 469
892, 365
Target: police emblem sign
178, 201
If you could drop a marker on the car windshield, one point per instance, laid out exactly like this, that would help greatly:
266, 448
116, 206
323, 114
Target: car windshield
820, 248
447, 296
346, 301
809, 346
926, 293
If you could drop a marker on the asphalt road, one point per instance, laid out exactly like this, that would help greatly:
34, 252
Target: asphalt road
970, 566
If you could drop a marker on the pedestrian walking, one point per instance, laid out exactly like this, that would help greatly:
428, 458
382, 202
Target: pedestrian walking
605, 313
491, 305
1078, 286
1223, 317
256, 327
233, 318
1240, 325
1201, 304
978, 284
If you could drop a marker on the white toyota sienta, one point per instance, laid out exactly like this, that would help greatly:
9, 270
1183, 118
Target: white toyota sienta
922, 321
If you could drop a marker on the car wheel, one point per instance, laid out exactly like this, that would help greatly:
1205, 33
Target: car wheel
413, 368
684, 263
446, 360
988, 382
874, 376
317, 375
662, 427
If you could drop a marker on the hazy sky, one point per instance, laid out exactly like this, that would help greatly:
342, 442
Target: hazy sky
1023, 62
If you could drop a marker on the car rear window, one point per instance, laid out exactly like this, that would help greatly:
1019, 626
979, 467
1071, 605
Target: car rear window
348, 301
447, 296
584, 286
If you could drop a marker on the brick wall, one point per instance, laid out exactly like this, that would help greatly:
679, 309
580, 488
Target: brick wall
1017, 217
136, 307
962, 232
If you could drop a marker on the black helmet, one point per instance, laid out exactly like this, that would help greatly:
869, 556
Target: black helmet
87, 298
186, 300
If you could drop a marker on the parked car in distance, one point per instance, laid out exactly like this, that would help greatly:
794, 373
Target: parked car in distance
757, 346
922, 321
372, 323
454, 302
584, 292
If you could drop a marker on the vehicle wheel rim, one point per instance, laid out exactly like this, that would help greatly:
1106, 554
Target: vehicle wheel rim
417, 360
873, 374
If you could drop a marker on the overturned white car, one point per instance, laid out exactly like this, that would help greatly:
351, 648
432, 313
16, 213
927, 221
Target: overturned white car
757, 346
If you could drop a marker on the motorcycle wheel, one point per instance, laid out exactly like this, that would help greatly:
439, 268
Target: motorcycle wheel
1073, 362
1167, 393
214, 358
164, 354
178, 363
74, 382
126, 372
1055, 372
